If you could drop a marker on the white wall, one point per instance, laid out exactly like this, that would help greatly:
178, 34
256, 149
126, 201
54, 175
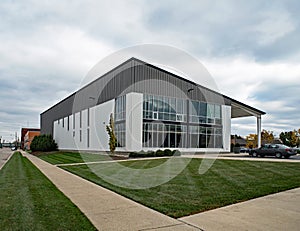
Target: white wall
98, 137
134, 121
62, 135
226, 119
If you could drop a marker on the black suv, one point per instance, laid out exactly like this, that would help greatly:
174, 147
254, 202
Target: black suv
278, 150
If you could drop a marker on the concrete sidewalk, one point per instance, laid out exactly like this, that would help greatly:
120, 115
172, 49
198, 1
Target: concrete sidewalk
278, 211
5, 154
106, 209
231, 156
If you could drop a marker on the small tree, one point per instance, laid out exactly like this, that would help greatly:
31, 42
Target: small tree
111, 133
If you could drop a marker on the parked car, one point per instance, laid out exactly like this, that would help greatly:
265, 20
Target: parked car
297, 150
244, 150
277, 150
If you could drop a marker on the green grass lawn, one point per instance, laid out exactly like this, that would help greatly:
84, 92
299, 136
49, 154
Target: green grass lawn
72, 157
226, 182
29, 201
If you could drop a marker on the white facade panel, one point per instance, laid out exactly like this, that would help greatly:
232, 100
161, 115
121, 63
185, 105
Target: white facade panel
134, 121
226, 118
99, 118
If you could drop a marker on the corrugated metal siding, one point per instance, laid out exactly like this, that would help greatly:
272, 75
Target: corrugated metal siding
131, 76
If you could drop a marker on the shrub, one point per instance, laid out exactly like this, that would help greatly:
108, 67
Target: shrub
168, 152
176, 153
44, 143
158, 153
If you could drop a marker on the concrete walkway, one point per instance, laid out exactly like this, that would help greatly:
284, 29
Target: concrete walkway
5, 154
279, 211
106, 209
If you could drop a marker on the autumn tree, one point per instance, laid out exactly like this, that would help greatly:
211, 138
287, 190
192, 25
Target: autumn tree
111, 133
291, 138
251, 141
267, 137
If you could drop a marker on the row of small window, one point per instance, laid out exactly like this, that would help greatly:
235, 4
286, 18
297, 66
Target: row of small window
120, 134
120, 108
164, 116
179, 128
74, 120
164, 104
180, 118
205, 120
205, 130
161, 127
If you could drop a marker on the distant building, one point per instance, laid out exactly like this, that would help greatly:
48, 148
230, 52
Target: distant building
29, 137
238, 140
23, 133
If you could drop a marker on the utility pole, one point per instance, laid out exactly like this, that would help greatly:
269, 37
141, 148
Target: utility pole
16, 144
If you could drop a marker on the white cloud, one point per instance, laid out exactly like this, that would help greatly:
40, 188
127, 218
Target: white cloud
274, 25
272, 87
241, 77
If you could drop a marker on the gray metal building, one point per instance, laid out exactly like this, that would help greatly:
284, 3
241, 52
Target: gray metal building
152, 108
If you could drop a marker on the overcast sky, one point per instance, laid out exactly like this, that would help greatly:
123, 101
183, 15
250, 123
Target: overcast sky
251, 48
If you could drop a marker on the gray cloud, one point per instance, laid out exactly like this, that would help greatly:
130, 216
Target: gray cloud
231, 27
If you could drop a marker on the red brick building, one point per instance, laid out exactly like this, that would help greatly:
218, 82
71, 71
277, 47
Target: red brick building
23, 133
29, 137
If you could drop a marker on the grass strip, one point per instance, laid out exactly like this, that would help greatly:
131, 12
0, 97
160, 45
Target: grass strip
72, 157
29, 201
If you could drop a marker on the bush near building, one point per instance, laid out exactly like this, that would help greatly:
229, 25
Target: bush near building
158, 153
44, 143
